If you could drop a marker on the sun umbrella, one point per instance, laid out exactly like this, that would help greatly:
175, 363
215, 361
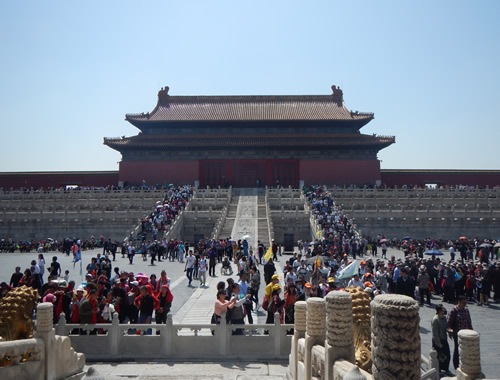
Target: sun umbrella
407, 238
463, 237
434, 252
246, 237
384, 240
485, 245
497, 245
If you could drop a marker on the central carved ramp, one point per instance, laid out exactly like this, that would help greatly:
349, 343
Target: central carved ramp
245, 222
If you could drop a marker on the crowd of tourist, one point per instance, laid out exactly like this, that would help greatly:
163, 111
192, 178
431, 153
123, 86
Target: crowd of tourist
342, 258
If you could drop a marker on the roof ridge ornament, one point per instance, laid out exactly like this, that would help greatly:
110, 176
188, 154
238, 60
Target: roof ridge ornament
337, 94
163, 95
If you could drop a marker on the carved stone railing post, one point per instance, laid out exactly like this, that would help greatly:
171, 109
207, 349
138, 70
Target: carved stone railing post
45, 331
298, 333
277, 335
61, 325
339, 338
167, 336
221, 331
114, 336
470, 357
315, 330
395, 337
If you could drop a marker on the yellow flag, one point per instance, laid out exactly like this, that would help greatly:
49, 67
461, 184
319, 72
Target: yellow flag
268, 254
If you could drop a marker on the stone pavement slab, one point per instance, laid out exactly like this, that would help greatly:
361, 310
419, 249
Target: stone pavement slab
193, 370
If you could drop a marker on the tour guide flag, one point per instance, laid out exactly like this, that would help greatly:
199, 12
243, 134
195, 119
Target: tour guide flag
349, 270
268, 254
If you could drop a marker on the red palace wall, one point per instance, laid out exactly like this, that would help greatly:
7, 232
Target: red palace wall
342, 172
246, 173
159, 172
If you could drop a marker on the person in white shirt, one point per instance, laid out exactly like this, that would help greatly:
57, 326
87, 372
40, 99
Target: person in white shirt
189, 266
202, 270
290, 276
355, 281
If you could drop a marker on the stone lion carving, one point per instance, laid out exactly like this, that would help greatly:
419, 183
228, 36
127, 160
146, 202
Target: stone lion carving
16, 309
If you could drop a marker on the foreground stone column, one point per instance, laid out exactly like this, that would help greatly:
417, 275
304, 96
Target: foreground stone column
298, 333
46, 332
339, 338
395, 337
470, 357
315, 330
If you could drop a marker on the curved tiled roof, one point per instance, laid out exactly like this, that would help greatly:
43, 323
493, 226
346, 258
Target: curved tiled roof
249, 141
249, 108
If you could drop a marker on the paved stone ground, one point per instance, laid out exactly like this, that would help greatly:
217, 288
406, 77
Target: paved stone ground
193, 371
195, 305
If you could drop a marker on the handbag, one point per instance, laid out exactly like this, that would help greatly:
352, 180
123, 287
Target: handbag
265, 303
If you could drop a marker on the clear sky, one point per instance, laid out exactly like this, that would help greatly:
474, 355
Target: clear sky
70, 71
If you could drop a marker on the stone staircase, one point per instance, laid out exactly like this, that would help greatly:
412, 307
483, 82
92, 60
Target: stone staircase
262, 221
227, 229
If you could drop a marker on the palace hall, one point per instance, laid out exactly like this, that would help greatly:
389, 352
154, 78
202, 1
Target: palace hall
249, 141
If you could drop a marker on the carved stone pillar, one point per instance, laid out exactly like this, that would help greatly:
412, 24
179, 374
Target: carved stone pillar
339, 338
315, 330
470, 357
395, 337
298, 333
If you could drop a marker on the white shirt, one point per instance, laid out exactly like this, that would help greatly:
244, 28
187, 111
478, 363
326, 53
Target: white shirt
190, 262
202, 264
355, 283
290, 275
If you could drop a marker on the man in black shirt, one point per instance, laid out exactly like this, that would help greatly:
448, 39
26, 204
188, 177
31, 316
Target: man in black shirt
55, 267
405, 284
16, 277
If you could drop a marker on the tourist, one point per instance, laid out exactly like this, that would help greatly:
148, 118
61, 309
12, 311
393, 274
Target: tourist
16, 278
290, 300
88, 311
212, 254
163, 280
55, 267
131, 253
495, 281
276, 305
255, 284
423, 285
146, 303
189, 266
244, 291
355, 281
484, 279
405, 284
41, 265
237, 311
26, 279
458, 319
202, 270
449, 284
221, 304
439, 326
269, 271
165, 297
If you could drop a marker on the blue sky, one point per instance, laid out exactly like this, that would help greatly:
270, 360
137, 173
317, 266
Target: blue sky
70, 71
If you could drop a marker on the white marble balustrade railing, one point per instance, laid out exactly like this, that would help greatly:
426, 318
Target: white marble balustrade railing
179, 341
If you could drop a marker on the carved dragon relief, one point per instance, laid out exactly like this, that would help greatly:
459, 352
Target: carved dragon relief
361, 327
